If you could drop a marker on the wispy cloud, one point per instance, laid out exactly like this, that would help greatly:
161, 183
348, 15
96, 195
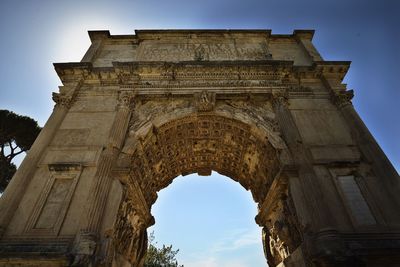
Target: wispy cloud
214, 262
220, 254
238, 240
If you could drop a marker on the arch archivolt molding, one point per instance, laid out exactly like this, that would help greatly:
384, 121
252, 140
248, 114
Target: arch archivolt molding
177, 135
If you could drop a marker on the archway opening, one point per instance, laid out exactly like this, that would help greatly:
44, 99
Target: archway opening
210, 219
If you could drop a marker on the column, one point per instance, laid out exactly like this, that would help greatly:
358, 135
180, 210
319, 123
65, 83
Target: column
19, 183
102, 181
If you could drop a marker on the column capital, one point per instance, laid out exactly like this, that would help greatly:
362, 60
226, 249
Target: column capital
62, 100
342, 98
280, 99
125, 99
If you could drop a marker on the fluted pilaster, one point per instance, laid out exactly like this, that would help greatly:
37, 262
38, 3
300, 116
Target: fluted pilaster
18, 185
98, 195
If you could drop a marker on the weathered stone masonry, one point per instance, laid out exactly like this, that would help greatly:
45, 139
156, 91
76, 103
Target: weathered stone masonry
263, 109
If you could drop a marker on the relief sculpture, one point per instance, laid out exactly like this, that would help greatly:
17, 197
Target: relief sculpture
203, 50
130, 236
281, 235
205, 101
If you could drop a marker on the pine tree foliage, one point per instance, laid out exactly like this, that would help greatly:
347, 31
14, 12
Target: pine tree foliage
17, 134
160, 257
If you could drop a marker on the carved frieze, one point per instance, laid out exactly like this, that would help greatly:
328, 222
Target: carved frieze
203, 50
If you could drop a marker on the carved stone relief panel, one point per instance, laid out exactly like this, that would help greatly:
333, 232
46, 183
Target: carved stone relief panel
281, 228
52, 205
147, 111
258, 112
130, 235
203, 50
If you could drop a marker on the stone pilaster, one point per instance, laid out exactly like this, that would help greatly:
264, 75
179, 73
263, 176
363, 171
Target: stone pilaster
307, 176
18, 185
102, 182
368, 145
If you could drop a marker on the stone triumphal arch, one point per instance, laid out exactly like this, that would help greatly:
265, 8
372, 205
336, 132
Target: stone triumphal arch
263, 109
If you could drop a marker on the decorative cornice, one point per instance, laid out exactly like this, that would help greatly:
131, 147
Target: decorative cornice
184, 33
332, 69
239, 69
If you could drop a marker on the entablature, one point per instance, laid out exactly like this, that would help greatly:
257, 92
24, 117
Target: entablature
270, 71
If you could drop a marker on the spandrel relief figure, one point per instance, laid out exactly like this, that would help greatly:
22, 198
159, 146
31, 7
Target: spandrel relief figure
278, 247
130, 237
281, 236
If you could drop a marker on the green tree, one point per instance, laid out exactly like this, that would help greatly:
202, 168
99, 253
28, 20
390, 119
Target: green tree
17, 134
160, 257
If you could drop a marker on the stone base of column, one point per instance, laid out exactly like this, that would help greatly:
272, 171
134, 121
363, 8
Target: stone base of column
84, 249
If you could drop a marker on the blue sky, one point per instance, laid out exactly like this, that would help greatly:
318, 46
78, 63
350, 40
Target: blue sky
36, 33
